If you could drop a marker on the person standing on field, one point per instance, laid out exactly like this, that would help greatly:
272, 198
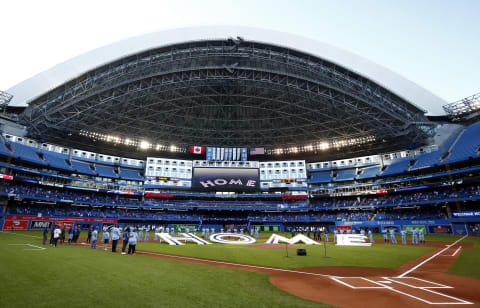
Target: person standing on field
126, 235
132, 241
105, 237
115, 237
62, 236
56, 235
45, 235
89, 235
94, 238
70, 235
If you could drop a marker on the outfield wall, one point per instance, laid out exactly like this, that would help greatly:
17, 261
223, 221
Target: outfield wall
21, 222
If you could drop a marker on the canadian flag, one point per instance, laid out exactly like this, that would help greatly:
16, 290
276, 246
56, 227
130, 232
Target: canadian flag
197, 150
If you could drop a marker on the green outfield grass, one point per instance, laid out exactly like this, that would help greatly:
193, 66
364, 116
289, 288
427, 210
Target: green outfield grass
73, 276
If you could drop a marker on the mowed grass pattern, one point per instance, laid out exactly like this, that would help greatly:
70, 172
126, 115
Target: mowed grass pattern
72, 276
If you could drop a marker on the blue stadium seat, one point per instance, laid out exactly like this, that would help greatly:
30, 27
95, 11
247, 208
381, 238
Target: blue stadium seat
399, 165
105, 171
369, 172
56, 160
26, 153
467, 145
81, 167
3, 149
128, 174
427, 160
323, 177
345, 175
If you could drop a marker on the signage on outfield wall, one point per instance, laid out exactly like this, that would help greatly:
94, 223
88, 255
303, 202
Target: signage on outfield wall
409, 228
466, 214
15, 225
20, 217
440, 229
40, 224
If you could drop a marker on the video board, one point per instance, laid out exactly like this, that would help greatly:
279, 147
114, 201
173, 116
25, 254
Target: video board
226, 179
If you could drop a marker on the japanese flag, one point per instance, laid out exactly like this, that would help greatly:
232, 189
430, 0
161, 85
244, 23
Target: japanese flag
197, 150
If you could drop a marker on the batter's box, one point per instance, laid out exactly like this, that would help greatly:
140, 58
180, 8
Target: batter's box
415, 282
359, 283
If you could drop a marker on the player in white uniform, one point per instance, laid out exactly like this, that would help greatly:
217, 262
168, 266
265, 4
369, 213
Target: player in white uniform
404, 236
392, 236
421, 236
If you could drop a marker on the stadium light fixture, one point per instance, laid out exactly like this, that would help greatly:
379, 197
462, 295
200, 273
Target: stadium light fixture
145, 145
323, 145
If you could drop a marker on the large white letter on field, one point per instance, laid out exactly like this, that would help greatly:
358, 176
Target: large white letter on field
187, 237
241, 238
352, 240
275, 238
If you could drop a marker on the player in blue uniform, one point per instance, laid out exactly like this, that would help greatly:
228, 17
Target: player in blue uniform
385, 235
370, 235
140, 233
147, 231
414, 237
404, 237
421, 236
392, 236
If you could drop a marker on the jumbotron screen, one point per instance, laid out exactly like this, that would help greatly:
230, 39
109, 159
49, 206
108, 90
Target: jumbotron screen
226, 179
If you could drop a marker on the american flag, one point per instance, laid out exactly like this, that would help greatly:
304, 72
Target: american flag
257, 151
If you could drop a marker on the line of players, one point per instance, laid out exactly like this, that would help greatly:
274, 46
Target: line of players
417, 236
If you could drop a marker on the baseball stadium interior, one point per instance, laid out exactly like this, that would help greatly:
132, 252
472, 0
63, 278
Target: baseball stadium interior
233, 132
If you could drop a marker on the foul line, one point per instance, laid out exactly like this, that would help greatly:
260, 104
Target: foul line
456, 251
235, 264
425, 261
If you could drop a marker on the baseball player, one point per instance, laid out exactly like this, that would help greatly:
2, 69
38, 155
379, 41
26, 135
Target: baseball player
325, 236
404, 236
256, 233
370, 235
385, 235
392, 236
140, 233
362, 232
335, 235
421, 235
147, 231
414, 237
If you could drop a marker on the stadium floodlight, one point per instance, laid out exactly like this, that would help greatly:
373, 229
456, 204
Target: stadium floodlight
323, 145
173, 148
145, 145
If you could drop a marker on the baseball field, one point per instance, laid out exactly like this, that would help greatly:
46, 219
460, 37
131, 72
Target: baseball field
445, 271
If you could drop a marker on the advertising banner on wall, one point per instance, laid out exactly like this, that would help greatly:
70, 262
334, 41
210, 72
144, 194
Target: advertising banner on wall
15, 225
442, 229
40, 224
409, 228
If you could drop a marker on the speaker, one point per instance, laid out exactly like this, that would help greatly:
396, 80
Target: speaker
301, 252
